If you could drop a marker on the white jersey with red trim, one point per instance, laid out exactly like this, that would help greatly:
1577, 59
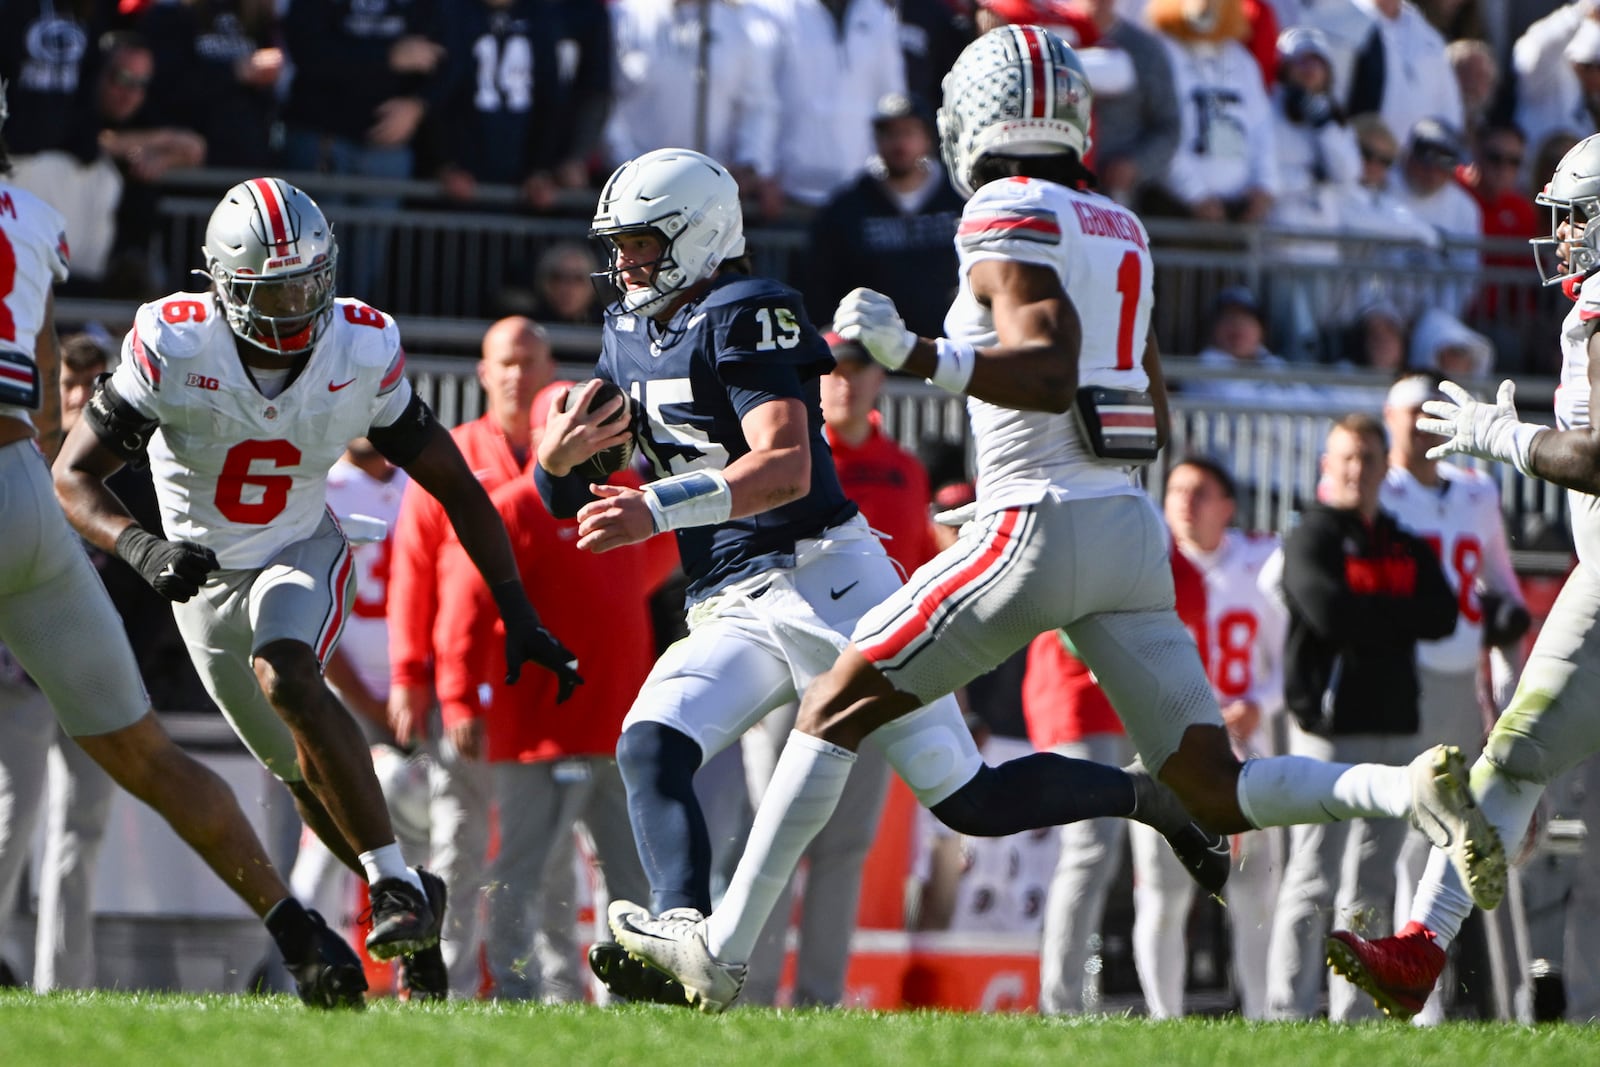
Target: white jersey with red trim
1572, 412
1460, 519
1101, 253
33, 257
354, 492
1245, 622
237, 472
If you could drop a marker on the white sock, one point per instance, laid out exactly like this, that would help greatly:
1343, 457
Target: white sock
1442, 903
1294, 790
386, 862
799, 800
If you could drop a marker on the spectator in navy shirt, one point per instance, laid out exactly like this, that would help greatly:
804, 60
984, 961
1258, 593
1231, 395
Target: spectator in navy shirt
892, 229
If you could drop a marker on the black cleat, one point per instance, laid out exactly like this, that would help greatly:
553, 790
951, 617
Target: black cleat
632, 980
403, 922
327, 972
422, 974
1208, 857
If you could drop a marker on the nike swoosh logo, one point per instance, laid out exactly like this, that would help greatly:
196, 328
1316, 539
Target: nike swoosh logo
335, 388
837, 593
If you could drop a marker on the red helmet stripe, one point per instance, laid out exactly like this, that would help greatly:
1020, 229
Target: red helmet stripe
1038, 85
272, 204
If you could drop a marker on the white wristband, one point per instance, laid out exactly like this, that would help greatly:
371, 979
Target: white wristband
1522, 440
699, 498
956, 362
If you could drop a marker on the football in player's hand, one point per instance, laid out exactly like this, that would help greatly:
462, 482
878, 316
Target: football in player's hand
608, 461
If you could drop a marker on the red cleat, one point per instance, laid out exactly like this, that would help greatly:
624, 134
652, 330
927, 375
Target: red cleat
1399, 972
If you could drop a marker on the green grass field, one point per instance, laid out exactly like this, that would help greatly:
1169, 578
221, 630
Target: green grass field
128, 1030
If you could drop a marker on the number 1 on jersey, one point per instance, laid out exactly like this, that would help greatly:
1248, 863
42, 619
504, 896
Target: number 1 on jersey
1130, 273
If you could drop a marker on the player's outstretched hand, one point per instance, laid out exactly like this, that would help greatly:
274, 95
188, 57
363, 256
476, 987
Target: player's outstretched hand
527, 641
1489, 431
175, 569
871, 320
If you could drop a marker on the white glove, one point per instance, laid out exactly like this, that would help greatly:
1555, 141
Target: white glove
870, 319
1489, 431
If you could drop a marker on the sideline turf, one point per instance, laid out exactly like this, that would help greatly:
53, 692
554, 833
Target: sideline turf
129, 1030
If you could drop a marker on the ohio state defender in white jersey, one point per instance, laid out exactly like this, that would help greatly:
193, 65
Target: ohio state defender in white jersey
240, 472
1551, 723
33, 257
1067, 401
52, 603
243, 397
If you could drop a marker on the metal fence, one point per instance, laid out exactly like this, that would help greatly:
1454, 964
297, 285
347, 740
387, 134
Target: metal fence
1272, 453
416, 256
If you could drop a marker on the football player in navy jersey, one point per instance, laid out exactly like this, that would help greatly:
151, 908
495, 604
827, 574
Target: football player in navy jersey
723, 371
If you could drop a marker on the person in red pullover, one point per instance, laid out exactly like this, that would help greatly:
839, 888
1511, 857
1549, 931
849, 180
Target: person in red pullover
890, 486
549, 767
1068, 712
516, 363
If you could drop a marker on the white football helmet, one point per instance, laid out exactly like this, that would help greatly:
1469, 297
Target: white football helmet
1015, 91
1573, 192
271, 255
690, 202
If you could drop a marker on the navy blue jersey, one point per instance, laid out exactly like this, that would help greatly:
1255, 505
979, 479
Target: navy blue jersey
501, 90
746, 342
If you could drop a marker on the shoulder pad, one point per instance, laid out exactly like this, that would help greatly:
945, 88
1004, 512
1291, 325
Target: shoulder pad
370, 337
740, 292
171, 329
1012, 210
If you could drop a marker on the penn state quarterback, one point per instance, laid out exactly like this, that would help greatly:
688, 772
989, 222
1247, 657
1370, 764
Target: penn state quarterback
724, 368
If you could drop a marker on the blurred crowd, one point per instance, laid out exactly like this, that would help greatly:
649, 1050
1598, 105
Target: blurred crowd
1376, 132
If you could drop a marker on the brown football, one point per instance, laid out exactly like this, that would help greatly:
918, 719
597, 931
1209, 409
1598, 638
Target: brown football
608, 461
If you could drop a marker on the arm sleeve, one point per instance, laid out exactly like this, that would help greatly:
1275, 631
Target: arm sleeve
414, 587
562, 496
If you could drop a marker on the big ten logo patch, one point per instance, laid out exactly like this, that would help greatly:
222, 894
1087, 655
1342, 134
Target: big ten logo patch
201, 381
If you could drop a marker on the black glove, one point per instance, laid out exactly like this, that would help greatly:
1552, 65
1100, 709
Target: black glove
175, 569
528, 641
1505, 622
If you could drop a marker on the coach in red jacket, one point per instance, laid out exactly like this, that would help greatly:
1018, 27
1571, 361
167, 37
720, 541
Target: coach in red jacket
516, 363
550, 767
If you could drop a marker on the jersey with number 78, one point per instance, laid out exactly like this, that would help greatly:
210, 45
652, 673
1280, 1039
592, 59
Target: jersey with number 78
1099, 251
240, 473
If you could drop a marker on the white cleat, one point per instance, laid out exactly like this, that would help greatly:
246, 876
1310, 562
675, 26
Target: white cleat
674, 943
1443, 809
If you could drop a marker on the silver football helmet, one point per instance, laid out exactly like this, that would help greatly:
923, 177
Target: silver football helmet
1573, 197
1015, 91
271, 254
690, 202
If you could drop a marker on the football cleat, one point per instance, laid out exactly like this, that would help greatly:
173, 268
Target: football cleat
632, 980
1443, 809
1208, 857
403, 922
1398, 972
674, 943
327, 972
423, 975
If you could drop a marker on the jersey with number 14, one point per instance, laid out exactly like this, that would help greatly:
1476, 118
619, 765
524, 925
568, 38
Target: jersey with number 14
1101, 254
241, 474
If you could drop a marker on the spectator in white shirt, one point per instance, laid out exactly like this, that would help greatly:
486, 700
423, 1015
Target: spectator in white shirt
1346, 28
730, 114
836, 60
1404, 74
1428, 189
1226, 165
1557, 67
